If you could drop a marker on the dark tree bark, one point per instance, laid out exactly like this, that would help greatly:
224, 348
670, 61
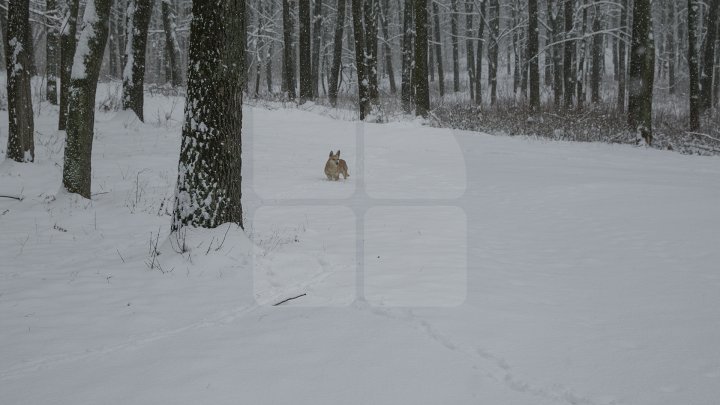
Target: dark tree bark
479, 54
113, 57
3, 37
670, 45
67, 52
597, 56
371, 51
387, 50
420, 71
138, 19
642, 71
532, 55
288, 57
337, 52
21, 143
706, 78
363, 96
622, 51
30, 43
438, 48
81, 101
469, 47
557, 55
305, 57
208, 192
52, 15
693, 64
317, 40
568, 70
493, 49
582, 54
455, 45
171, 42
407, 57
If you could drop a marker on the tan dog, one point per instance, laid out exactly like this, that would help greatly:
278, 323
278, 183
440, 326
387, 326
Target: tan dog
335, 167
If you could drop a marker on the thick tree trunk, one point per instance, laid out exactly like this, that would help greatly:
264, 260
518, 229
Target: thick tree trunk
337, 52
67, 53
693, 64
288, 57
208, 192
386, 47
706, 78
317, 41
557, 57
622, 51
469, 47
371, 51
533, 56
407, 57
171, 42
362, 79
642, 71
455, 45
138, 18
305, 57
113, 57
493, 49
479, 54
52, 50
597, 56
568, 70
420, 71
438, 48
83, 85
21, 143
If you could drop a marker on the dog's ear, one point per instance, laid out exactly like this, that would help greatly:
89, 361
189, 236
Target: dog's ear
338, 154
331, 154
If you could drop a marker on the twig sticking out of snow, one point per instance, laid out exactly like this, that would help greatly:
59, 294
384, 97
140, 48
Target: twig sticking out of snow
14, 197
288, 299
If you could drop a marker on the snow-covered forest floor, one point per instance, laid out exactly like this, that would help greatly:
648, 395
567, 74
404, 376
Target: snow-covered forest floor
495, 270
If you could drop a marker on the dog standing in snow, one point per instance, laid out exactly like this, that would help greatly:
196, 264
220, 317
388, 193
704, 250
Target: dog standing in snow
335, 167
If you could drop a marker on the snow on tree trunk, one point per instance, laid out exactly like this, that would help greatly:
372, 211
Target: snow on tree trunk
706, 77
420, 70
209, 177
387, 51
642, 71
406, 85
81, 97
337, 52
68, 44
171, 42
138, 18
438, 48
51, 49
360, 62
21, 144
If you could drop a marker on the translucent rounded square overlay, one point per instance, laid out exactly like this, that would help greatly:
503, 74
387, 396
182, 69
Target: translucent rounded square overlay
390, 234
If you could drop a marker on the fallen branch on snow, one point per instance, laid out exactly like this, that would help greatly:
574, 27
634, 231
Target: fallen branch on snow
14, 197
288, 299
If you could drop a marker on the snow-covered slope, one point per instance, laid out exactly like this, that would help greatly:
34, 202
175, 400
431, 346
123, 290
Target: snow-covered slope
494, 270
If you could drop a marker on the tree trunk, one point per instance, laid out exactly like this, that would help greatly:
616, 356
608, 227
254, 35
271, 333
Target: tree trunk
557, 58
3, 37
642, 71
711, 22
438, 48
337, 52
81, 101
533, 56
138, 18
580, 79
21, 143
68, 43
597, 56
407, 57
288, 57
469, 48
317, 40
305, 56
386, 47
113, 59
670, 39
208, 192
693, 65
51, 50
171, 42
479, 54
455, 46
493, 49
362, 79
622, 51
371, 45
568, 70
30, 43
420, 71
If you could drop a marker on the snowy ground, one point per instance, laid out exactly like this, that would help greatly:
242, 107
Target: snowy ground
494, 270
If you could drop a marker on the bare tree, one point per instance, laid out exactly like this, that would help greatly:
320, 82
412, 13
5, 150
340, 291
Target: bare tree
68, 43
171, 42
316, 42
532, 54
622, 69
288, 58
407, 56
568, 70
360, 62
455, 45
706, 78
21, 143
693, 64
138, 18
642, 71
420, 71
438, 48
337, 51
52, 22
305, 56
